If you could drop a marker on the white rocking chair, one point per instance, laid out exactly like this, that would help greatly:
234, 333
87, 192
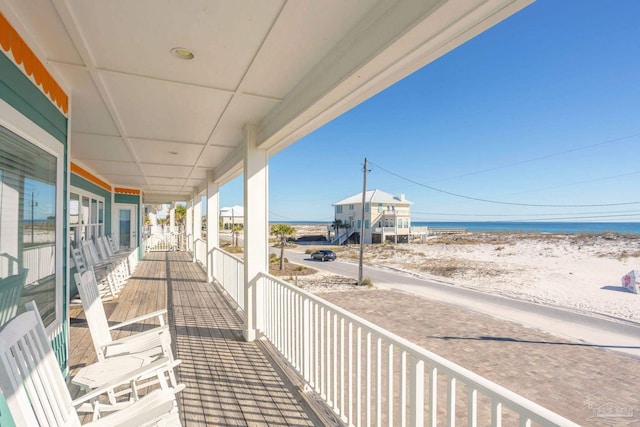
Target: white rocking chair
107, 290
153, 343
10, 291
37, 395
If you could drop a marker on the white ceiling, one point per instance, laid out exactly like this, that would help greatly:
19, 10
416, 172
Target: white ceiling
141, 118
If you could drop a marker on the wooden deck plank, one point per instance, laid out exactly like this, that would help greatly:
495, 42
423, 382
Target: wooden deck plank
229, 382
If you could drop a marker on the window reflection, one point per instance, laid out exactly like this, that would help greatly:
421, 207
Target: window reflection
27, 225
88, 223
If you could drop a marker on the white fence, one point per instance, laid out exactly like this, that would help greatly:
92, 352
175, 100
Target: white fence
369, 375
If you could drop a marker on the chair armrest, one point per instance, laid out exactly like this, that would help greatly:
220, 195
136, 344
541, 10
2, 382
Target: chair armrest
160, 365
158, 408
152, 341
140, 336
158, 314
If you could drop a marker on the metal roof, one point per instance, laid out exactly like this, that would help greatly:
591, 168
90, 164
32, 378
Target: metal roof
374, 196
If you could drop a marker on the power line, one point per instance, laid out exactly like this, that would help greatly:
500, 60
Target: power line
498, 202
578, 182
535, 159
278, 216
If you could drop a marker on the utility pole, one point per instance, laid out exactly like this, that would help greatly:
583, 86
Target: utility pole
33, 205
364, 191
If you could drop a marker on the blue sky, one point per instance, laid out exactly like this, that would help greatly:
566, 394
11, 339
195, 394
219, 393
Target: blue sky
542, 109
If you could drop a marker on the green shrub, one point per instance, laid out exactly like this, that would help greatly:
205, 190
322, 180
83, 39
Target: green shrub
366, 282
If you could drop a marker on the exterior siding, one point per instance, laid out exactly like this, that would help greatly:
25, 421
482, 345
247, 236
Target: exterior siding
18, 91
403, 211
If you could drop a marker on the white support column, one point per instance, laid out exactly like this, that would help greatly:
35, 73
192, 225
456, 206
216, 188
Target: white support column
213, 229
172, 218
189, 223
256, 230
197, 226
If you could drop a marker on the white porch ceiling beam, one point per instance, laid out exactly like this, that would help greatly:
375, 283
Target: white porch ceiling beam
80, 44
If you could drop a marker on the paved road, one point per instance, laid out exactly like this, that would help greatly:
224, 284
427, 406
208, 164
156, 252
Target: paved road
615, 335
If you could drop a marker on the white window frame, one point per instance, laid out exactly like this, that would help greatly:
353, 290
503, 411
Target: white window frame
14, 121
90, 225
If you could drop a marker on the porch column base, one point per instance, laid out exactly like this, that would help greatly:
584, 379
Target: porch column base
250, 334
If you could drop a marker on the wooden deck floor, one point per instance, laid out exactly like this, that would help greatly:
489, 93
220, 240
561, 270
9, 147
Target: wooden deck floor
229, 382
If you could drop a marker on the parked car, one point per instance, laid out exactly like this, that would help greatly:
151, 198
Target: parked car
324, 255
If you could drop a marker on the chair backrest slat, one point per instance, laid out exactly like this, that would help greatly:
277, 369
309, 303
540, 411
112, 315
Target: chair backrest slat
30, 377
107, 246
94, 311
10, 291
90, 253
102, 251
78, 260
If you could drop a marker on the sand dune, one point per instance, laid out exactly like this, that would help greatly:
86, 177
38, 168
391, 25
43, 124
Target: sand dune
580, 272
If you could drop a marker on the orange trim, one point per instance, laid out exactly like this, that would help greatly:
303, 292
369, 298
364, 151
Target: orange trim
121, 190
89, 176
10, 41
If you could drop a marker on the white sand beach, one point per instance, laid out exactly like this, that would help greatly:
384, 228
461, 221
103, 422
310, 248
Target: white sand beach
579, 272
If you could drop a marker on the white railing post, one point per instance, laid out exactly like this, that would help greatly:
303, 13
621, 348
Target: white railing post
433, 396
189, 224
197, 227
306, 339
213, 227
416, 386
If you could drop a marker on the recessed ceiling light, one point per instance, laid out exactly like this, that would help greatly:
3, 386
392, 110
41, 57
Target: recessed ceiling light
183, 53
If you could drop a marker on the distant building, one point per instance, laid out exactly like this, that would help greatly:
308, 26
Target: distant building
231, 216
386, 217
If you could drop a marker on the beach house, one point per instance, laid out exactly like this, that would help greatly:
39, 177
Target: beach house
110, 108
231, 216
386, 217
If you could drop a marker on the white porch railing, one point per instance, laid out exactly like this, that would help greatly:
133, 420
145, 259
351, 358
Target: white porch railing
369, 375
228, 271
40, 261
341, 238
200, 251
160, 238
390, 230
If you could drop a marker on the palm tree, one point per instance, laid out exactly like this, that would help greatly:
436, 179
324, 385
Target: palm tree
337, 224
282, 231
181, 213
235, 230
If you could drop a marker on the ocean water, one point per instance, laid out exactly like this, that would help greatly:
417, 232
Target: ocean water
539, 227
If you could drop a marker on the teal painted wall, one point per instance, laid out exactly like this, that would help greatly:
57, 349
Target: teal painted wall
18, 91
80, 182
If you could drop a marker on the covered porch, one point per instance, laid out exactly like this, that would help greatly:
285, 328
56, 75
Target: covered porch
138, 104
229, 382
